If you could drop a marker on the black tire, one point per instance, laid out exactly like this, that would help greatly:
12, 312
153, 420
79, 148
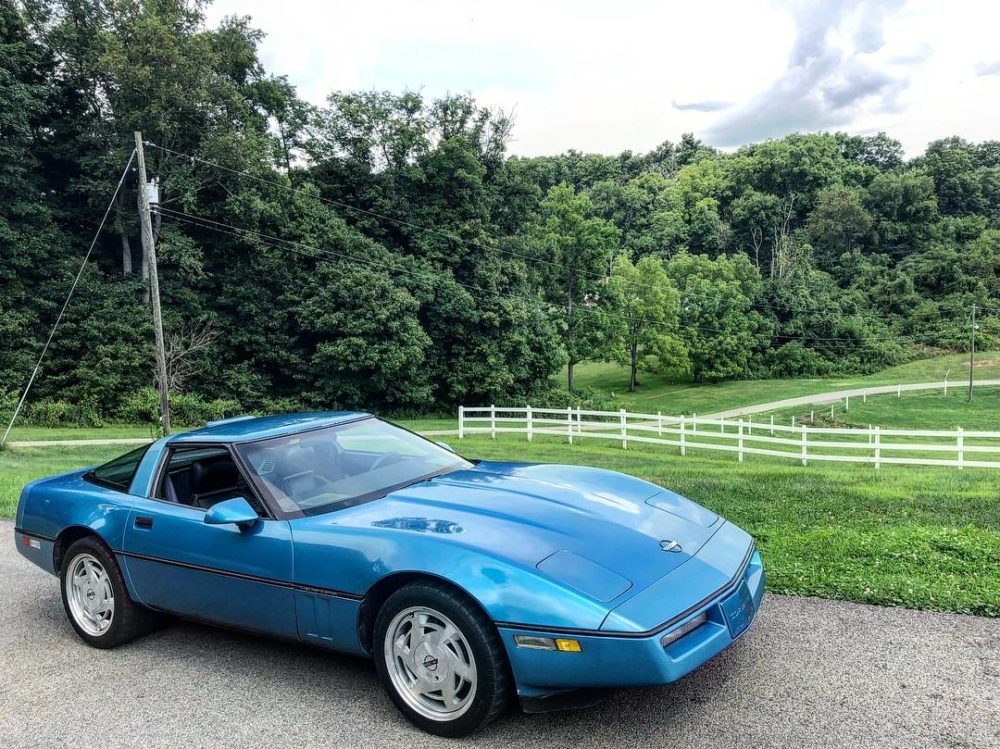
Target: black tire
493, 681
128, 619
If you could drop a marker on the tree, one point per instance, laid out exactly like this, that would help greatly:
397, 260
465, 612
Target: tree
717, 322
756, 221
950, 164
904, 210
576, 247
641, 311
837, 223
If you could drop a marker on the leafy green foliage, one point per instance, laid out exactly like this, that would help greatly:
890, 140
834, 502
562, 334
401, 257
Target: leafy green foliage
576, 247
383, 251
717, 325
641, 317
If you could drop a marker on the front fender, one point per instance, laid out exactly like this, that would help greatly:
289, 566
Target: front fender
356, 559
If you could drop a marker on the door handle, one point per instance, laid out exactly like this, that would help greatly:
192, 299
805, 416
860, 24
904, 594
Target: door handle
141, 522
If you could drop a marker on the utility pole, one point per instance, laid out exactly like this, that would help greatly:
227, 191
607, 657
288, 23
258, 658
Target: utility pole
154, 284
972, 350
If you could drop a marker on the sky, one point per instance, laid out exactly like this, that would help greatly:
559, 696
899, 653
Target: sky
629, 74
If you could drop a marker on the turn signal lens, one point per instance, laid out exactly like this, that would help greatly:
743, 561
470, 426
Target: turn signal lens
568, 646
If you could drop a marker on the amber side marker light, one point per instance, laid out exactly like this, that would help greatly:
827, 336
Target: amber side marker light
561, 644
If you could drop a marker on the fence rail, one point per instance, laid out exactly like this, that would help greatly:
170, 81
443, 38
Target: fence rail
872, 445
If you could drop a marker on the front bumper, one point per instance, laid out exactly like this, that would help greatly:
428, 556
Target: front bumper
622, 660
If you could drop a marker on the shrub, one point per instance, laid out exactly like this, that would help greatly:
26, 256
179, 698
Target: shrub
140, 407
190, 410
52, 413
587, 398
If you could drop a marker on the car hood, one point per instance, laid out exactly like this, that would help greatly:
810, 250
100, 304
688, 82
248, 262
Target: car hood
594, 530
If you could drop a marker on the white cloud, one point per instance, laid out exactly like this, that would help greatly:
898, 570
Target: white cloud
598, 76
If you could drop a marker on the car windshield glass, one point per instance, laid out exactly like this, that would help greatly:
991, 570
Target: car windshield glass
319, 470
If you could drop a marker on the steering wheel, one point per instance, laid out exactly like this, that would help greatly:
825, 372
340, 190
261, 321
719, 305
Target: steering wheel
382, 459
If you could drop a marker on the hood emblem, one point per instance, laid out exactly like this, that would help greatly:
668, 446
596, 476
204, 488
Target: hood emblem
667, 545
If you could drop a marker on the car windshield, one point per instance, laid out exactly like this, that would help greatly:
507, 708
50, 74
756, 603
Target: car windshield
327, 468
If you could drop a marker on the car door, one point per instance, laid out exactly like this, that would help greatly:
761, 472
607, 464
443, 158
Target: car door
176, 562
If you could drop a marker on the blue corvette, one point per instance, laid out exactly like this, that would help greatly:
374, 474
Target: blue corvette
466, 582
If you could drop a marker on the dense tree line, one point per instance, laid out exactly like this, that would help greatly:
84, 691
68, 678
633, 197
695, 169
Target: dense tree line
384, 250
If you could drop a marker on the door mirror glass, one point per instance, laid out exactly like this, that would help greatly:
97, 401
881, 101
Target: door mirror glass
236, 510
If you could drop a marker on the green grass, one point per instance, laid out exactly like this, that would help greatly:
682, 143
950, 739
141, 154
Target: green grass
114, 431
902, 536
21, 465
659, 393
119, 431
913, 410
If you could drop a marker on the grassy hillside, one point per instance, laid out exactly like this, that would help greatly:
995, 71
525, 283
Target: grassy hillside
915, 410
659, 393
917, 537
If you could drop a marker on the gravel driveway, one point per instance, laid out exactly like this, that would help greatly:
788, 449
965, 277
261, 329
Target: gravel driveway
810, 673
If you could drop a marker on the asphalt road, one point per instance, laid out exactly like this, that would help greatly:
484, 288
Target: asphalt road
810, 673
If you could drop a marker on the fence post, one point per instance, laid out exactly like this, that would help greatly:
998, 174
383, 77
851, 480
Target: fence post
722, 425
750, 425
878, 447
683, 448
899, 391
812, 417
659, 423
847, 403
869, 434
831, 410
865, 397
739, 449
493, 421
961, 449
461, 422
569, 424
579, 420
805, 449
528, 409
793, 420
624, 430
772, 425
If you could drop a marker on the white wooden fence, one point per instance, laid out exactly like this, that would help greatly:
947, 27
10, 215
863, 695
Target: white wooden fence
744, 436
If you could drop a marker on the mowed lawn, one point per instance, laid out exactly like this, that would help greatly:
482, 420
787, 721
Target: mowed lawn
913, 410
901, 536
659, 393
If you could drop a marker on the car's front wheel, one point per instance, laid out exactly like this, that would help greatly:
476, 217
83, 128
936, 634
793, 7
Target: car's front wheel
441, 659
95, 598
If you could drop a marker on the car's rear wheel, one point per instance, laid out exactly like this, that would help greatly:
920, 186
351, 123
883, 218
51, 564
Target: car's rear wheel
441, 659
95, 598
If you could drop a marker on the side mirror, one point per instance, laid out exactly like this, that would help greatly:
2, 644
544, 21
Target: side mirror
236, 510
446, 446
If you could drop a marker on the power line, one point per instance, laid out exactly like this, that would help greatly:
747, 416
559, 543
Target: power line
76, 281
412, 225
312, 251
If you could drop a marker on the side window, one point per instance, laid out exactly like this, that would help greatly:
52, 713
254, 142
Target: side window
118, 473
202, 476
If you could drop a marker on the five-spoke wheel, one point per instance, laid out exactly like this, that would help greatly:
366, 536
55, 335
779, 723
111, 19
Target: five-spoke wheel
96, 599
441, 659
90, 595
432, 664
